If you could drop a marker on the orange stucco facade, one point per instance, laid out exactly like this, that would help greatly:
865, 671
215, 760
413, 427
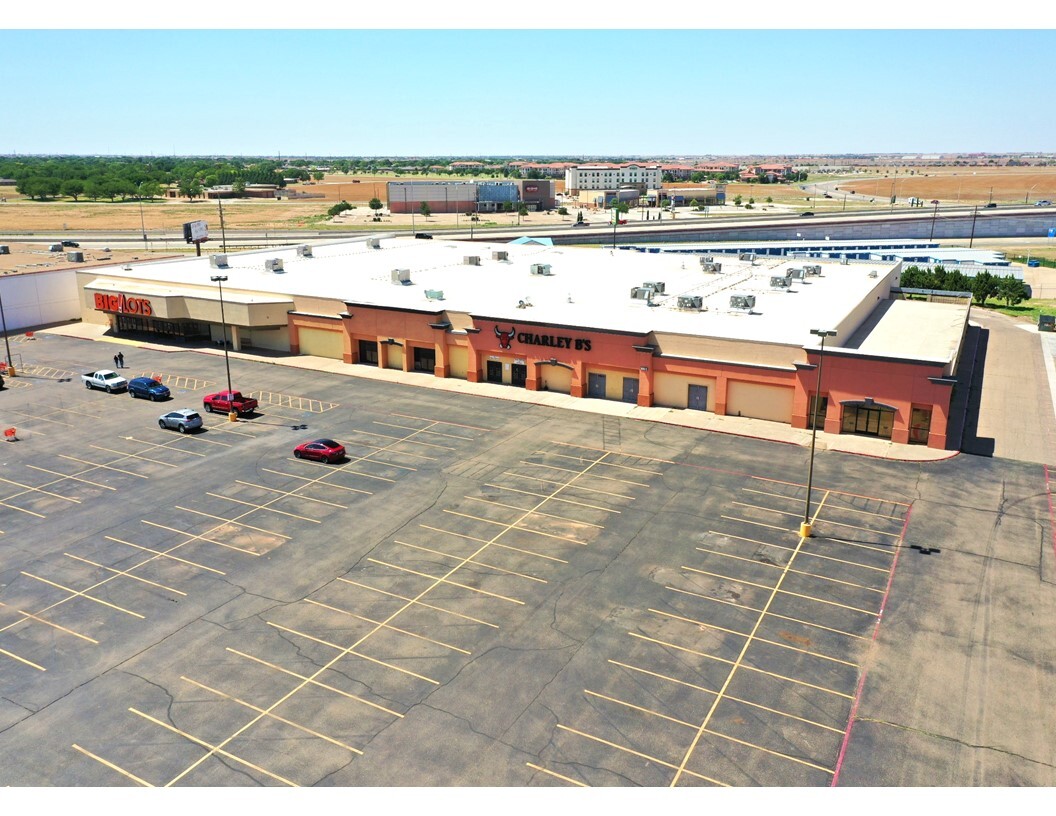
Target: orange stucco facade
905, 400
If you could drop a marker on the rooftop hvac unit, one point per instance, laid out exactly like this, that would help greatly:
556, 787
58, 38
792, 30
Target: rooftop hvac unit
471, 260
796, 272
75, 257
401, 277
707, 258
274, 265
742, 301
843, 260
434, 294
500, 255
55, 248
641, 293
304, 251
779, 282
711, 267
812, 269
5, 249
746, 256
540, 269
374, 243
690, 302
218, 261
656, 286
872, 274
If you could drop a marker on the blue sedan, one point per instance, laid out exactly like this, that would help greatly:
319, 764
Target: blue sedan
146, 387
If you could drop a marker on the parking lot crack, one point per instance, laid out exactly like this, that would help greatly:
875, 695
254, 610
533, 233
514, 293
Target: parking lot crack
954, 740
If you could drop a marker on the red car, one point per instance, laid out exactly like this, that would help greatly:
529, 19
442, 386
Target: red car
325, 450
227, 401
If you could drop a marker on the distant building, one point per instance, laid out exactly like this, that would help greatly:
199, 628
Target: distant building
600, 177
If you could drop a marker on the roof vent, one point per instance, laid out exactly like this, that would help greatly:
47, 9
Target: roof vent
872, 274
500, 255
401, 277
374, 243
434, 294
471, 260
274, 265
218, 261
304, 251
540, 269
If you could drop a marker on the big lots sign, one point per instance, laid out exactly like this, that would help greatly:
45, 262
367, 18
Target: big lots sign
121, 303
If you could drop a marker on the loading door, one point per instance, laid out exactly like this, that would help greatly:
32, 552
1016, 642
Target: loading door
630, 389
596, 386
698, 397
368, 352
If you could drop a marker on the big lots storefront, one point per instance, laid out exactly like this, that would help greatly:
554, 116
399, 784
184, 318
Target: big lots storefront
903, 400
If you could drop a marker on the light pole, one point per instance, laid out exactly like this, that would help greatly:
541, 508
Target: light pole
934, 215
3, 321
975, 212
1026, 198
219, 281
142, 223
804, 528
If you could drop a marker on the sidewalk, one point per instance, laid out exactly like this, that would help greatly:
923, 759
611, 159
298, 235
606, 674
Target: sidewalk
702, 420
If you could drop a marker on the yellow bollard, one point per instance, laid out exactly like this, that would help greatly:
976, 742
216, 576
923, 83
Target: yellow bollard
233, 416
804, 530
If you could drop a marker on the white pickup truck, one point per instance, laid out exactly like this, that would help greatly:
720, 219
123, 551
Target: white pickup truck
106, 379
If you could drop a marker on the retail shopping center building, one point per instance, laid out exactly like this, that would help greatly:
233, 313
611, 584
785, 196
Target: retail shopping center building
727, 334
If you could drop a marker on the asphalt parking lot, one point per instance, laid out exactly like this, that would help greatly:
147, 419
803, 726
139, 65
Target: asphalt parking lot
493, 593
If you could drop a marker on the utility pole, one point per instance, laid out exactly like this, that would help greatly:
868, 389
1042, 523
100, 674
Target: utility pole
223, 235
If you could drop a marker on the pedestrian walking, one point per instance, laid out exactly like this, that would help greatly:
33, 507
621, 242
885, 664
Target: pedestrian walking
116, 365
121, 359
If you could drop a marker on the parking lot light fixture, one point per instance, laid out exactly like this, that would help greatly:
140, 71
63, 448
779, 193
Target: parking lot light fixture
219, 281
7, 344
805, 527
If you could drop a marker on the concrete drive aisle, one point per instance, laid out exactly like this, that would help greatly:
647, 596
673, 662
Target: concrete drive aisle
739, 426
1013, 392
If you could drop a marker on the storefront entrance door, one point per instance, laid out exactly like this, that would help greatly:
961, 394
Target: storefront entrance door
698, 397
596, 386
518, 375
494, 373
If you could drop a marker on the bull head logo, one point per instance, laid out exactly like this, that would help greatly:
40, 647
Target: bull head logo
505, 337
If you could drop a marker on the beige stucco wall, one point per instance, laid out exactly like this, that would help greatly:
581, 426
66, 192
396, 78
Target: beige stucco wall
672, 390
458, 360
395, 357
613, 382
773, 402
557, 378
736, 351
321, 343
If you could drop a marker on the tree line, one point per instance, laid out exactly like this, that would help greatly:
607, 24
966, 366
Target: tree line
1007, 288
124, 178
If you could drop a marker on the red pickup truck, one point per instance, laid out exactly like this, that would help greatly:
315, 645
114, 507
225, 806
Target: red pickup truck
228, 401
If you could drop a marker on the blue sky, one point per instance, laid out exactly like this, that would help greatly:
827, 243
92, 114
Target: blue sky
525, 92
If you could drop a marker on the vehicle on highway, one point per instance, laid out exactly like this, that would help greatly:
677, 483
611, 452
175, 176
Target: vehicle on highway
425, 235
325, 450
109, 381
147, 387
1043, 203
228, 401
990, 206
182, 419
70, 244
580, 224
808, 212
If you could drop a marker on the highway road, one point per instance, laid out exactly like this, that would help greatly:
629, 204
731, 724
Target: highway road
592, 234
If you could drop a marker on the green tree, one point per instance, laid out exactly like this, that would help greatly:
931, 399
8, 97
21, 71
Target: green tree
984, 286
338, 208
149, 189
375, 204
238, 186
424, 209
317, 175
73, 188
737, 201
1011, 290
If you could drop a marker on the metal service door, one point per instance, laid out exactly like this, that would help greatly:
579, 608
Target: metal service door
494, 371
698, 397
518, 374
596, 386
368, 352
630, 389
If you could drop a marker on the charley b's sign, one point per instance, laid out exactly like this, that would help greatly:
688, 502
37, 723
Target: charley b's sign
555, 341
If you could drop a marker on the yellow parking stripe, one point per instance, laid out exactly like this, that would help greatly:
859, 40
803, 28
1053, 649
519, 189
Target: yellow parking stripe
388, 626
420, 603
871, 612
443, 580
556, 775
553, 498
289, 494
536, 512
73, 477
494, 543
844, 561
125, 573
81, 594
231, 521
791, 571
161, 554
112, 766
263, 507
514, 526
193, 537
473, 561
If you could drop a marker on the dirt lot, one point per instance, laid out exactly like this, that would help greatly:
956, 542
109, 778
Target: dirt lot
948, 184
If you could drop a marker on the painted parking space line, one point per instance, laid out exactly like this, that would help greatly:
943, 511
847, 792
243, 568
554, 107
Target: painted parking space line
82, 593
161, 554
807, 554
443, 422
389, 626
440, 579
124, 574
224, 521
425, 431
288, 494
72, 477
534, 512
800, 500
557, 499
805, 573
264, 507
191, 537
316, 482
95, 465
494, 544
421, 603
593, 475
473, 560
